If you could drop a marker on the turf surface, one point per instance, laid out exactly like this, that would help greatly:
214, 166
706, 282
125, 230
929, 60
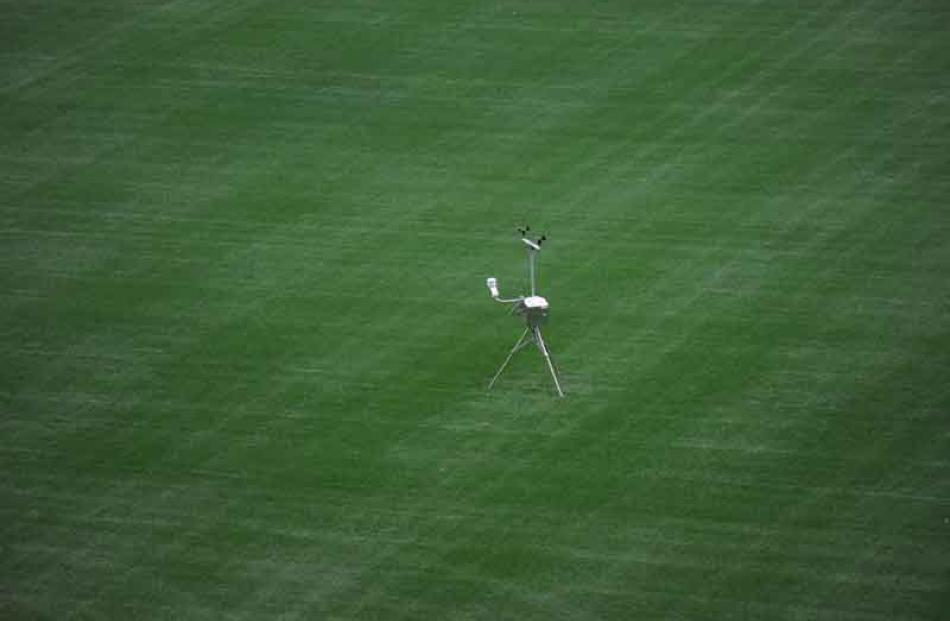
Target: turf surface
245, 337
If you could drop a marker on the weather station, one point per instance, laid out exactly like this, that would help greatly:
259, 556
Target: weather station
533, 308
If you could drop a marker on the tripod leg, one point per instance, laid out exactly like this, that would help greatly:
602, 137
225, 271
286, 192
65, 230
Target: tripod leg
547, 358
521, 343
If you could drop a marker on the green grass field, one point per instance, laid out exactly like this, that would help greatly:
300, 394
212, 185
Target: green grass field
245, 338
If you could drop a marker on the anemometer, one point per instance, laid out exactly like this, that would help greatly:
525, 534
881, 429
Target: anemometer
534, 309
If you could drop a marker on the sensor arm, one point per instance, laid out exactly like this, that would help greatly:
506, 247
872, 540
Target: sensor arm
509, 301
492, 284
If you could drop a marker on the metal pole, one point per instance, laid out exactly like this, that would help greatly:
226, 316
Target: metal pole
514, 349
531, 254
547, 357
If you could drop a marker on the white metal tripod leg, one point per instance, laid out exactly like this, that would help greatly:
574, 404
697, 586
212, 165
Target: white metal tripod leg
521, 343
547, 357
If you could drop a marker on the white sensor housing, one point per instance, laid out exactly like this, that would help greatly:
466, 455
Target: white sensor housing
535, 302
492, 286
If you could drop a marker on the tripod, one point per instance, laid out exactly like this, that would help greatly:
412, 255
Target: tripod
531, 334
534, 308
